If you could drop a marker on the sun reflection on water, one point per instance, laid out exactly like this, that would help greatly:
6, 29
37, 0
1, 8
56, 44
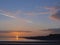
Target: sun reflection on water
13, 36
17, 36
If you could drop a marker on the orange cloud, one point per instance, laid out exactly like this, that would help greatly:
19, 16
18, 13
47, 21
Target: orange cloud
55, 16
54, 12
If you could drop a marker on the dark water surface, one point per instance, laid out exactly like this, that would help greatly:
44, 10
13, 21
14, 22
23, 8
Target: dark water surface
23, 41
13, 38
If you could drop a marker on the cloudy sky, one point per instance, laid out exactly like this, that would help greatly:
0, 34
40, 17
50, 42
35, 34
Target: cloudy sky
29, 14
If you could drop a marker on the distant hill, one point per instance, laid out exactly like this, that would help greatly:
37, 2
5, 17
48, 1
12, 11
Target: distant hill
48, 37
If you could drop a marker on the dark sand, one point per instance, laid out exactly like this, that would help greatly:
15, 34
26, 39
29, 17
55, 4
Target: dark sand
28, 43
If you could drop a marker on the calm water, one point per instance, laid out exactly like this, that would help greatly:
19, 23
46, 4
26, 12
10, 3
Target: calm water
14, 36
29, 40
24, 39
16, 39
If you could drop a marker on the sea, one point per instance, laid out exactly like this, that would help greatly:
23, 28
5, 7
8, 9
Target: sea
6, 38
24, 41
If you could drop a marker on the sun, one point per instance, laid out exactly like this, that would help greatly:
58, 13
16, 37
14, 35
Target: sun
18, 35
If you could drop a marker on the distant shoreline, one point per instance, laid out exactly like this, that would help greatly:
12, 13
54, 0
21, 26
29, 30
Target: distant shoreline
48, 37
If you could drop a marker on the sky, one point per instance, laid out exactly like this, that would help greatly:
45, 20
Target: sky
29, 15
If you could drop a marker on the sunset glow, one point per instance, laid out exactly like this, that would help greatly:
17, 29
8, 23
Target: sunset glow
29, 15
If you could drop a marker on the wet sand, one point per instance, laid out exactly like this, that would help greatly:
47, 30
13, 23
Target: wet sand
29, 43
